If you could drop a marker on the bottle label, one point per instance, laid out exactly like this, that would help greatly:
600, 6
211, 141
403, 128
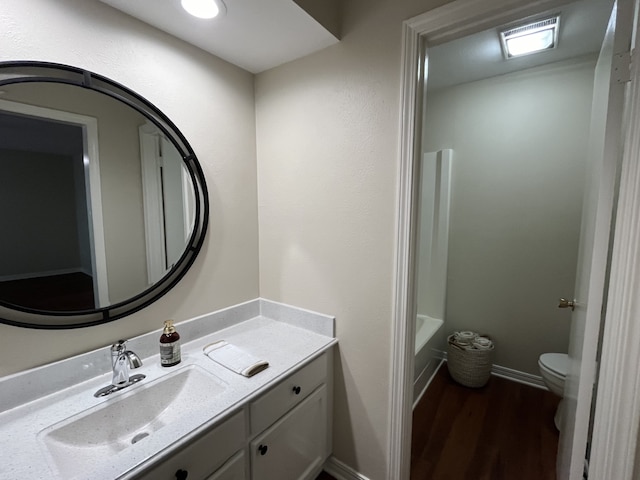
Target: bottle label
170, 353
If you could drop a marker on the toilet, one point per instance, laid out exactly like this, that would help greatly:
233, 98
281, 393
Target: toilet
553, 369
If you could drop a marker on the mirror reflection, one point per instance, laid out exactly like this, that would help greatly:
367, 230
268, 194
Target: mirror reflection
96, 203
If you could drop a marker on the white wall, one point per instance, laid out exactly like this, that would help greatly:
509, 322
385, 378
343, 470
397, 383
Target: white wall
42, 185
327, 166
210, 101
519, 144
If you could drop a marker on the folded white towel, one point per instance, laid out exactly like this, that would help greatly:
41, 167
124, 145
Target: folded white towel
465, 337
482, 343
234, 358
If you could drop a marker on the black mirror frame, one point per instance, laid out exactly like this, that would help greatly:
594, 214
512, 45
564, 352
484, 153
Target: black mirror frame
12, 72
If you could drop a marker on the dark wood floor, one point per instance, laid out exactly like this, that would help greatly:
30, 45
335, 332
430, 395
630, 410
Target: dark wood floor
324, 476
502, 431
67, 292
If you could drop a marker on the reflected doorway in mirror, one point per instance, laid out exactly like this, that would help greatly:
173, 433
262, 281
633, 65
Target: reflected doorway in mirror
51, 206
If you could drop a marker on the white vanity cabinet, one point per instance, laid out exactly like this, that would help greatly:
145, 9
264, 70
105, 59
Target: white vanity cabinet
288, 435
197, 420
213, 450
234, 469
295, 446
291, 424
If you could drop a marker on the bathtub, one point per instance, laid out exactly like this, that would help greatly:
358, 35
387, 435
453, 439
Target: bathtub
429, 348
426, 327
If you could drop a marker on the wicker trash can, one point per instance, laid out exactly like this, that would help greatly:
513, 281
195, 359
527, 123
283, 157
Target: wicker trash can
470, 367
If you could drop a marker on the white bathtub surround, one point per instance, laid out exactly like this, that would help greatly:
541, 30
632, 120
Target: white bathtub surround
36, 399
435, 213
429, 338
426, 328
423, 381
433, 250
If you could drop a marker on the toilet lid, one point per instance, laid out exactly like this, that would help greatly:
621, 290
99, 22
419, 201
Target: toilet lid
556, 362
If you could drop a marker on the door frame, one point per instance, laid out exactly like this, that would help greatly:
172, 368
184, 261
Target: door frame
152, 202
91, 160
617, 413
614, 441
153, 158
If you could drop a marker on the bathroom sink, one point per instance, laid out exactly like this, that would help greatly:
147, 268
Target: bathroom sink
167, 406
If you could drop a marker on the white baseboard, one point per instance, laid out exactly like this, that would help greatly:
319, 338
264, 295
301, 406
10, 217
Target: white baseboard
514, 375
517, 376
340, 470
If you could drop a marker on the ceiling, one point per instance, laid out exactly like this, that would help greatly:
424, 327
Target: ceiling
478, 56
255, 35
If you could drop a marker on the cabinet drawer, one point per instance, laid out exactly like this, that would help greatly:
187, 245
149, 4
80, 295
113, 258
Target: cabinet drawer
288, 393
205, 454
295, 446
234, 469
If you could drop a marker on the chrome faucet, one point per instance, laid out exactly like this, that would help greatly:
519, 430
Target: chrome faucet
121, 360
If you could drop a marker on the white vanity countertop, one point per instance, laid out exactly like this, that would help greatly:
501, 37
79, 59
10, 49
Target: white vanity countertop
285, 336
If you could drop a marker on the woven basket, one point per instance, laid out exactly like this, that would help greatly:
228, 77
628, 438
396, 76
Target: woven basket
469, 367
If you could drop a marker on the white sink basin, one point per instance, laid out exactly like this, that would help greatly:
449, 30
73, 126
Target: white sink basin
124, 419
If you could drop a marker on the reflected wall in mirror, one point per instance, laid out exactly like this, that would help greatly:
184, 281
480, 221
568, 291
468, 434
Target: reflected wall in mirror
103, 202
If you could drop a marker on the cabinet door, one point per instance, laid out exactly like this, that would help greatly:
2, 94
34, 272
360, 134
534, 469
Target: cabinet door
234, 469
296, 444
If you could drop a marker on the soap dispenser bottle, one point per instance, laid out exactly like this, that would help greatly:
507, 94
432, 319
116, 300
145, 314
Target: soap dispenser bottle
169, 345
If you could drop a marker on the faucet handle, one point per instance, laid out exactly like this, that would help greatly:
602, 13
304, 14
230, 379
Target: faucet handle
119, 347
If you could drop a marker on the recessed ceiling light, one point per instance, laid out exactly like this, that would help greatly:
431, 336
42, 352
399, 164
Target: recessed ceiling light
530, 38
202, 8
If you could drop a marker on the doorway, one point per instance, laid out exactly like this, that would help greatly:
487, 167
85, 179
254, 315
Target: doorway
53, 206
519, 129
418, 32
168, 202
519, 143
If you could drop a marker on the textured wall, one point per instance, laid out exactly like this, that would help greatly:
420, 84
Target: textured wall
210, 101
327, 166
519, 144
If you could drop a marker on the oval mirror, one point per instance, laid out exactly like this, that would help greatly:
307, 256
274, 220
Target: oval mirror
103, 203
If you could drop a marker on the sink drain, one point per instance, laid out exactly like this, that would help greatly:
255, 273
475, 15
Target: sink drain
139, 437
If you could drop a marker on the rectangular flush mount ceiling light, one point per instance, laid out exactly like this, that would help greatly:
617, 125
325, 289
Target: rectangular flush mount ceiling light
530, 38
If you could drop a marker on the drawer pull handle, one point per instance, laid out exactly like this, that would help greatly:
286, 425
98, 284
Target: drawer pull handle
263, 449
296, 390
182, 474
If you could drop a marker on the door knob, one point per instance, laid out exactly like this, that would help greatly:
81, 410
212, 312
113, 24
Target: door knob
182, 474
564, 303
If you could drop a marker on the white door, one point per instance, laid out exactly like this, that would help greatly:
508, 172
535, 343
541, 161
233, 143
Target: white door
172, 203
167, 201
604, 151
